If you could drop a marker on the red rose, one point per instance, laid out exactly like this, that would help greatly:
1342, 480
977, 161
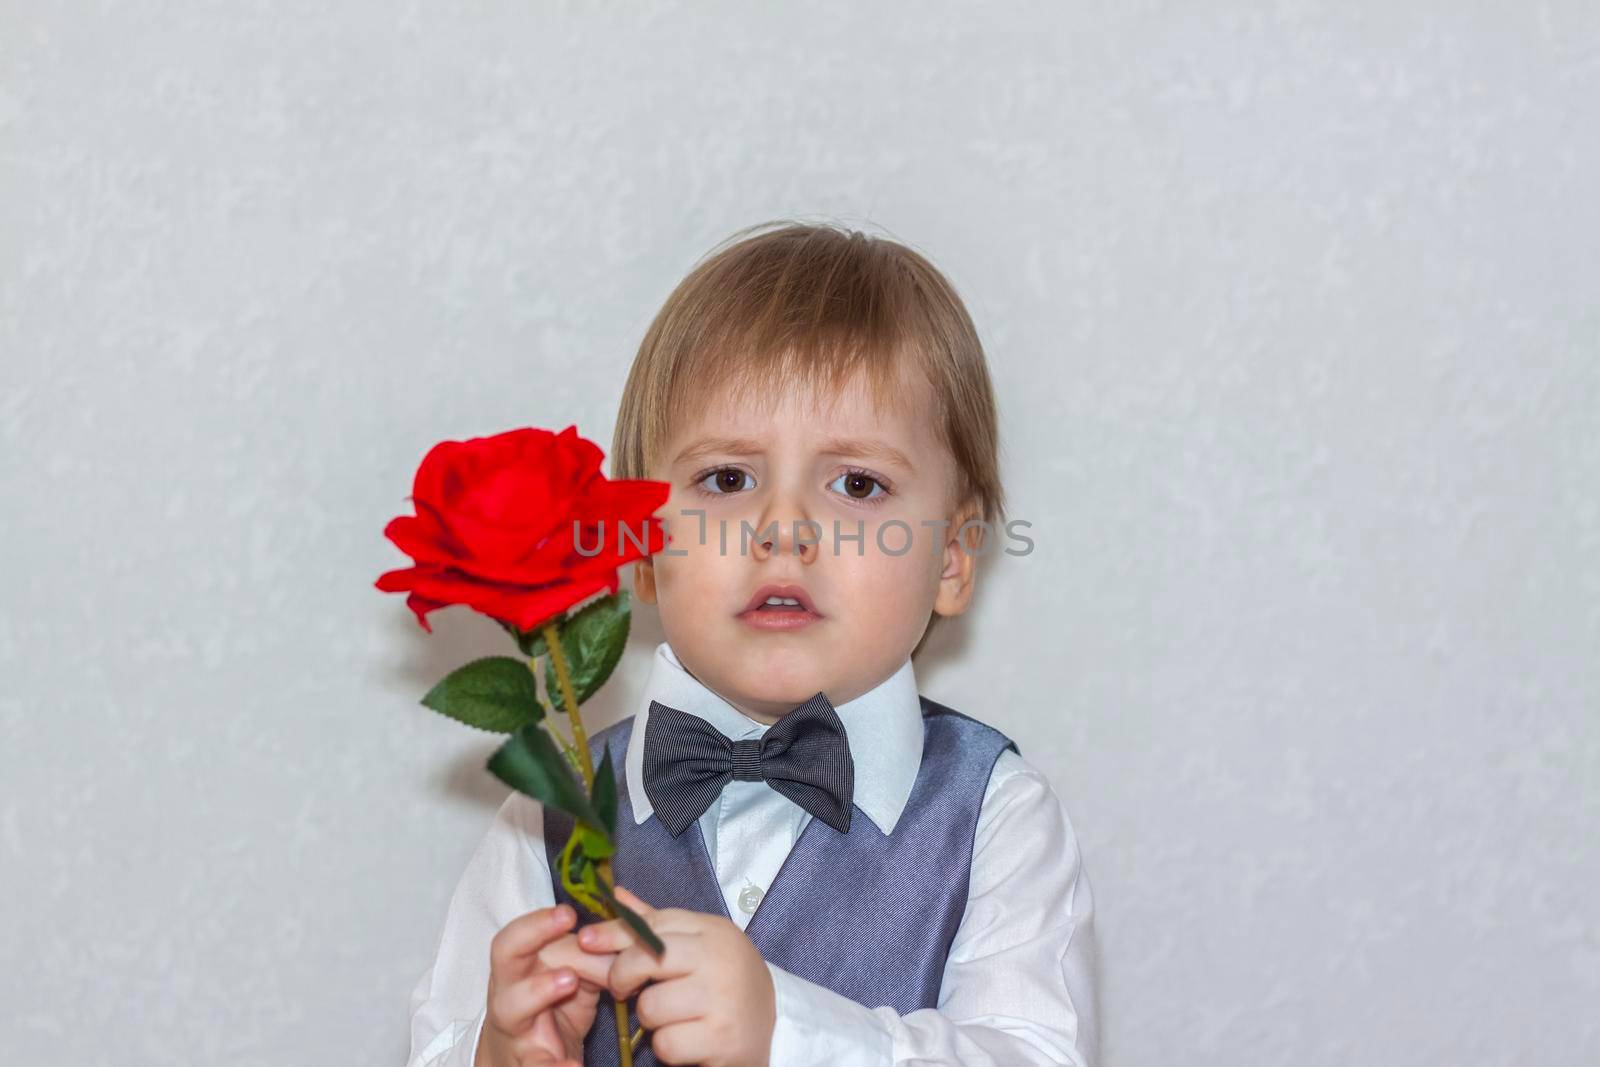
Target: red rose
497, 519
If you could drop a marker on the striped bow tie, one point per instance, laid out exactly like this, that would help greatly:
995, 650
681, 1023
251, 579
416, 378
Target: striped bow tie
805, 755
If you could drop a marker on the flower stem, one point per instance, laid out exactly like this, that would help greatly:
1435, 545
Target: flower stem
567, 748
624, 1046
580, 741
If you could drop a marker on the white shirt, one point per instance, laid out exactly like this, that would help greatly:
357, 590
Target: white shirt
1020, 984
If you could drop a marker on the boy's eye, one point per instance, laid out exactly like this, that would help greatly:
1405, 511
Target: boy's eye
858, 485
724, 480
855, 484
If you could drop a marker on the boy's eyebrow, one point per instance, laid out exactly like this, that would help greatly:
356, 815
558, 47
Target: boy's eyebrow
851, 446
714, 446
832, 446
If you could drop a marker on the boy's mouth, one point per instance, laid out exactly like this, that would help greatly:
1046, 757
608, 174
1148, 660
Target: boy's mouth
777, 597
780, 607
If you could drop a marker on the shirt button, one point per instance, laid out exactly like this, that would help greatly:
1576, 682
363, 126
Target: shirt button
749, 898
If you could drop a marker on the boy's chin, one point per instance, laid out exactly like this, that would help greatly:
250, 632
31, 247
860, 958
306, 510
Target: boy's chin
780, 677
767, 666
789, 682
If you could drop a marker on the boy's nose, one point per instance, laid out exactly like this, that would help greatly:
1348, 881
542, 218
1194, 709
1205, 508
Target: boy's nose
798, 536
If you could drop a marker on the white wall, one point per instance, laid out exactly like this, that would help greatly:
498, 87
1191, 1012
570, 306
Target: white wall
1294, 317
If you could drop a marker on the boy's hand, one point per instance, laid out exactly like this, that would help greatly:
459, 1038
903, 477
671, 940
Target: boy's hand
711, 1001
543, 992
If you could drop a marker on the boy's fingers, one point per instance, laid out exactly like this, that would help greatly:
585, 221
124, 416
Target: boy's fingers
637, 965
614, 935
633, 902
515, 948
672, 1001
592, 965
514, 1007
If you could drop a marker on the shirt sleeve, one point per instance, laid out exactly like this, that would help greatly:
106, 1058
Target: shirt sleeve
507, 876
1020, 985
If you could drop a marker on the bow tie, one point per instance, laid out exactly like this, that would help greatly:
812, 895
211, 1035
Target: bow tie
804, 755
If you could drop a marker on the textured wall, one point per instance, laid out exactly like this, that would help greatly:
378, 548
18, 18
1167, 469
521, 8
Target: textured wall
1294, 316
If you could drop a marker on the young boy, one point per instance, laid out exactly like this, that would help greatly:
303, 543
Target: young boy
844, 872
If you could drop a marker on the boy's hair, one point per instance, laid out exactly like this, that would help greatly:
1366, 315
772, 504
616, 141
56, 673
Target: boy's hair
814, 304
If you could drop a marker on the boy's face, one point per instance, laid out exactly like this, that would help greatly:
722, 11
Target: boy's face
805, 458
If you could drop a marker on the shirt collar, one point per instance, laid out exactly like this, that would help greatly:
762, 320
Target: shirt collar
882, 725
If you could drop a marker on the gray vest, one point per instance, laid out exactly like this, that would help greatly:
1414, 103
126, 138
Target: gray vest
866, 915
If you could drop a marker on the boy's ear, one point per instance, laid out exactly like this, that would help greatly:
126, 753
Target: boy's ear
644, 581
956, 579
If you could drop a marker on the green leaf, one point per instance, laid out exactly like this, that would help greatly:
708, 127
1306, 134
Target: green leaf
593, 843
531, 643
587, 877
495, 693
593, 640
571, 861
633, 919
604, 795
530, 763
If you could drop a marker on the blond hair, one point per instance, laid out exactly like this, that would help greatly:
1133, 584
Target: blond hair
785, 302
